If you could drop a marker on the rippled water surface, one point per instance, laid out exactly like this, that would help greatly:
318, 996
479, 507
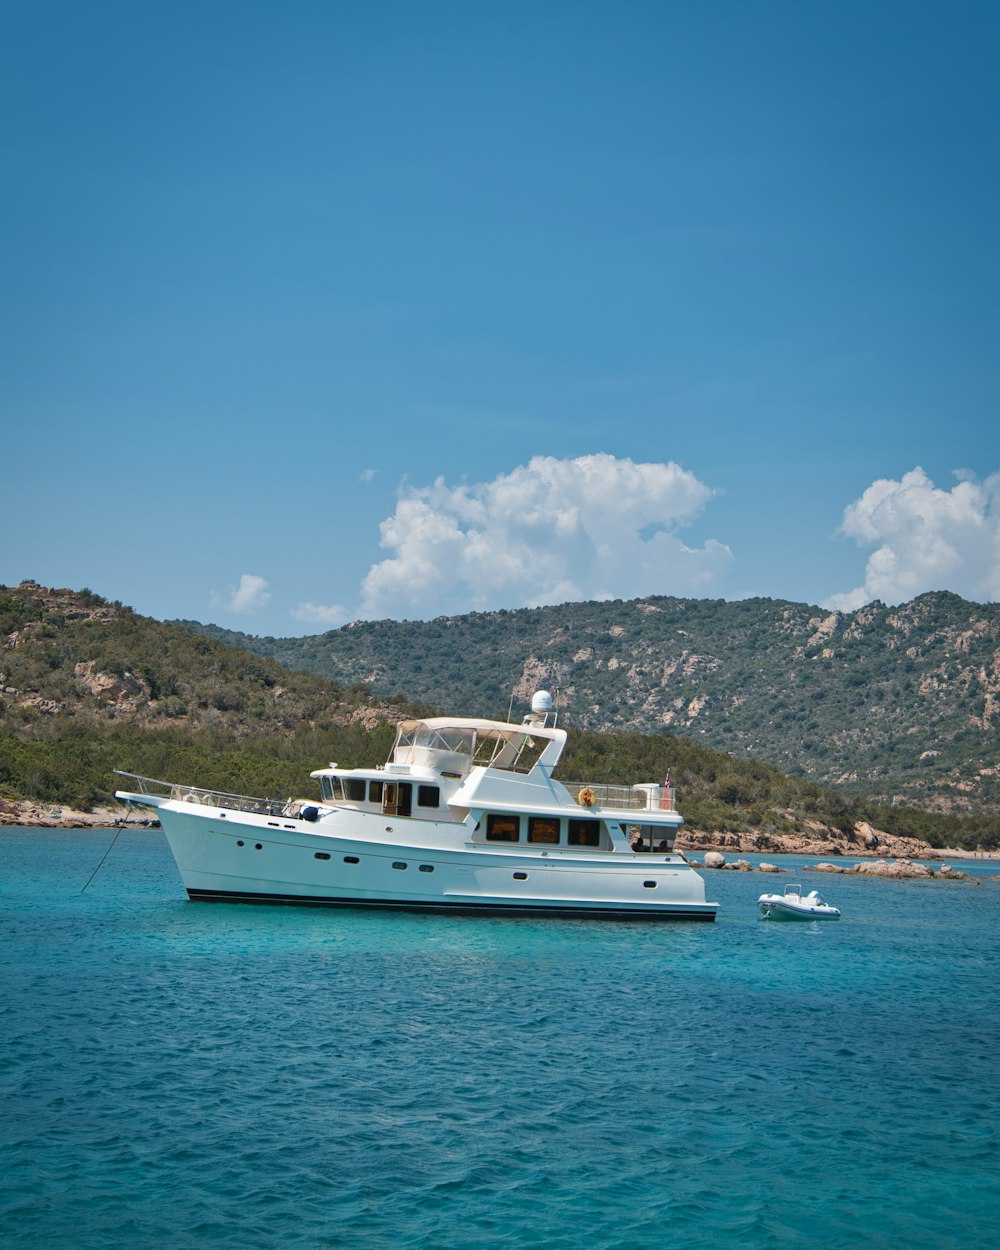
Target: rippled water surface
200, 1075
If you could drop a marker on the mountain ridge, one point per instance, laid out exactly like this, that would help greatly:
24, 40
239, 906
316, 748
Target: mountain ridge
87, 687
895, 703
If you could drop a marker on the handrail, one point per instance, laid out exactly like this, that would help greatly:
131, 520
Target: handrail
643, 798
213, 798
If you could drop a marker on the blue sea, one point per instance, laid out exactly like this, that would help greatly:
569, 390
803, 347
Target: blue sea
181, 1075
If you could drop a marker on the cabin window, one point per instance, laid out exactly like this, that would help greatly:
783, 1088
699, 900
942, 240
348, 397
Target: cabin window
350, 859
649, 837
426, 867
583, 833
329, 787
503, 828
321, 855
354, 789
374, 792
543, 829
399, 865
428, 796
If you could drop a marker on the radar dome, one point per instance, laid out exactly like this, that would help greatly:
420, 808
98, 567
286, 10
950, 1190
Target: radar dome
541, 701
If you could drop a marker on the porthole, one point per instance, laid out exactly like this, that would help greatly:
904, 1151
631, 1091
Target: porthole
426, 867
259, 846
650, 885
520, 876
400, 865
241, 842
321, 855
351, 859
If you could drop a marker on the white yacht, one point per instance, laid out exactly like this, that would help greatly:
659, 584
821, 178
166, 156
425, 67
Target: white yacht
465, 817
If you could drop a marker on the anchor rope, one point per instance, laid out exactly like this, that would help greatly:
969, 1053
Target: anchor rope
105, 855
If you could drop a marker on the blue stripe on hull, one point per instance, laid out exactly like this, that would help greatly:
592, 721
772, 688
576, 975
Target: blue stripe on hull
563, 910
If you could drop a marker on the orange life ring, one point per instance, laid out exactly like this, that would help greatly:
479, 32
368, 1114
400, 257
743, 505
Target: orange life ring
586, 797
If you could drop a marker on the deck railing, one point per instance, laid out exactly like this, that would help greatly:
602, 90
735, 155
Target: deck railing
212, 798
633, 798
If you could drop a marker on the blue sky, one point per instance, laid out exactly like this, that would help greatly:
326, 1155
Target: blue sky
314, 311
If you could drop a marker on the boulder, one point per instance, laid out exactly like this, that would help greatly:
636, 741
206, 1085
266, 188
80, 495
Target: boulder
897, 868
769, 868
715, 859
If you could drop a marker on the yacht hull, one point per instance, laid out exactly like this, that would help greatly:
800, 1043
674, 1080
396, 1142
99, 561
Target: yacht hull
235, 858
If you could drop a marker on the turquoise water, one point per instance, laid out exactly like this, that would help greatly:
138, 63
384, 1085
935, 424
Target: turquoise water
179, 1075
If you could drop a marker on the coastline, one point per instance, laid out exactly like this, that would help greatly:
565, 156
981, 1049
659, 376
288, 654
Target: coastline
863, 842
16, 813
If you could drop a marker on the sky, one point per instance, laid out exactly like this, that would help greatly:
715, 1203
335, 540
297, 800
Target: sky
317, 311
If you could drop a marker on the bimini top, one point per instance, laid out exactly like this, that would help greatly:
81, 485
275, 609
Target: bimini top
482, 728
458, 743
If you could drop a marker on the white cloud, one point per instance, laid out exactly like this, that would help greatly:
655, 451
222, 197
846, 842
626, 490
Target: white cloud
250, 596
927, 539
321, 614
549, 531
367, 475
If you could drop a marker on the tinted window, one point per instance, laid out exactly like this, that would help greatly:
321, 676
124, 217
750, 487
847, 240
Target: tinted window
584, 833
503, 828
543, 829
428, 796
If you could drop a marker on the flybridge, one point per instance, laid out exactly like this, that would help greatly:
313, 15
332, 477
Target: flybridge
459, 745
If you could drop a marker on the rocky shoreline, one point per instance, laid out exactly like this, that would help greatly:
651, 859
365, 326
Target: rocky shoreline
900, 869
861, 842
14, 812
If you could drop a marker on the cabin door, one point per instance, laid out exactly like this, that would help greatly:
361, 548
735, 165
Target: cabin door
397, 798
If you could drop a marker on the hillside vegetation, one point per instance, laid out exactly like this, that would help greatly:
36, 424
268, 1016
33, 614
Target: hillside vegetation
88, 686
894, 704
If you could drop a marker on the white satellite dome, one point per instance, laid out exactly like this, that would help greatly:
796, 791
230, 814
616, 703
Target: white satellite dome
541, 701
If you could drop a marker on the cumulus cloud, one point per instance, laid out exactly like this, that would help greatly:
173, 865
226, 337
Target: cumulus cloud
330, 615
250, 596
925, 539
595, 527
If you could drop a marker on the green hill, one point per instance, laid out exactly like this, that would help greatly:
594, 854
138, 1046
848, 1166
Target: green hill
87, 686
895, 704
